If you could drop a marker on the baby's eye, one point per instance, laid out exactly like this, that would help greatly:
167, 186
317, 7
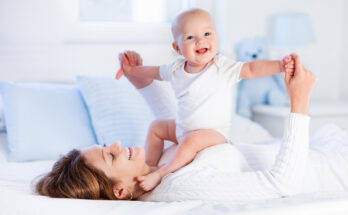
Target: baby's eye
207, 34
189, 37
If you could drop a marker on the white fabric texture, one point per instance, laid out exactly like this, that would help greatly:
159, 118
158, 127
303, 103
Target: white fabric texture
326, 168
208, 91
17, 198
242, 128
211, 177
161, 100
117, 111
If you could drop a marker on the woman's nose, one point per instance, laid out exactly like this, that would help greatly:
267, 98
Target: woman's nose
116, 146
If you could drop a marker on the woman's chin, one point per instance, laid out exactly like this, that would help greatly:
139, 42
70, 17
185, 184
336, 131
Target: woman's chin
139, 154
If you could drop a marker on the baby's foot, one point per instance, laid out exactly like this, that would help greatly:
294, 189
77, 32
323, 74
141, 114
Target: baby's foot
150, 181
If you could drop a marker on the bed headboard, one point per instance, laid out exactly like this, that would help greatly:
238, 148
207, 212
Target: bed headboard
62, 63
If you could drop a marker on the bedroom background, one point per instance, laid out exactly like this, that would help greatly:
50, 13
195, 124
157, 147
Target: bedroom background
50, 39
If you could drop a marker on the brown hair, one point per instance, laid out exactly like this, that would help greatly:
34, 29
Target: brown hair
71, 177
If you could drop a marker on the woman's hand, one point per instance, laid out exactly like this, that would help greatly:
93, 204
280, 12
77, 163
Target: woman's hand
299, 86
127, 60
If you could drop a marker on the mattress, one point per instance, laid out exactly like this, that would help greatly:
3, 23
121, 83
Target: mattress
17, 197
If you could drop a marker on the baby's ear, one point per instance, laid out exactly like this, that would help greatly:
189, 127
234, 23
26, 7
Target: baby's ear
176, 48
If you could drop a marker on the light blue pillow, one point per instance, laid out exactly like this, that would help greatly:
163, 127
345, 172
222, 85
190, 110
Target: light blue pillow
44, 120
117, 110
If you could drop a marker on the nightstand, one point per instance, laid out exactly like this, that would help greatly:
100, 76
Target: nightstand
273, 118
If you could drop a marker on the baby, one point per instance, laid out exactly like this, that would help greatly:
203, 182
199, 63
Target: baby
202, 82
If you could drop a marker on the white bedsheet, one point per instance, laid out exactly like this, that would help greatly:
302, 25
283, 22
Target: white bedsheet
17, 197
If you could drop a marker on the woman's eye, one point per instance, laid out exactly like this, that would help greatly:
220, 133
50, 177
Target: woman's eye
189, 37
207, 34
112, 156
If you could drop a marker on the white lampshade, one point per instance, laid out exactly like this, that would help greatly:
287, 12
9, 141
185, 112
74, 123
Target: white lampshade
291, 30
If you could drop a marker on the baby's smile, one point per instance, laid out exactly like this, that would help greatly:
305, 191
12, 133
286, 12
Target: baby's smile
202, 51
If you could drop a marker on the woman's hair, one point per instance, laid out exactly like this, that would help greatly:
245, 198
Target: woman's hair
71, 177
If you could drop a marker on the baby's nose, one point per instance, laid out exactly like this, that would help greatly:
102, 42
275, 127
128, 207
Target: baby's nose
200, 39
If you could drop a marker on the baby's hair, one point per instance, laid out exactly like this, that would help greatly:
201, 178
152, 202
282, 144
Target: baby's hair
181, 16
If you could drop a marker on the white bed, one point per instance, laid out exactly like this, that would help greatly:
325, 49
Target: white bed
17, 196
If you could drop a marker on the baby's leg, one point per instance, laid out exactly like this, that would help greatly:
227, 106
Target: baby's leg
193, 143
159, 131
185, 153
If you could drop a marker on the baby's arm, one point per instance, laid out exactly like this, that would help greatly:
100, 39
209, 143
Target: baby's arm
185, 153
128, 69
261, 68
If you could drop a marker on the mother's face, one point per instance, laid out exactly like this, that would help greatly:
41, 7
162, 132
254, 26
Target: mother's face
118, 163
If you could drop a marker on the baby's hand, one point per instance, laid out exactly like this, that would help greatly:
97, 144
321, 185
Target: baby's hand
288, 64
150, 181
128, 60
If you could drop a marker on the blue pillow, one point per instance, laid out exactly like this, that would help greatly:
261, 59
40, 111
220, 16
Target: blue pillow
44, 120
118, 112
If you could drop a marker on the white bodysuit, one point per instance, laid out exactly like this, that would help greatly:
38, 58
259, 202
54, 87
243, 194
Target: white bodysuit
204, 99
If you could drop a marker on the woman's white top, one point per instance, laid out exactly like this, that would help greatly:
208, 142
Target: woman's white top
221, 173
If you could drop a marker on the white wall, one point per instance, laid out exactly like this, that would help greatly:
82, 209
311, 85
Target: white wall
41, 35
42, 40
247, 18
344, 80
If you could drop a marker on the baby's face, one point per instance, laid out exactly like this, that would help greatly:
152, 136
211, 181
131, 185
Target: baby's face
197, 39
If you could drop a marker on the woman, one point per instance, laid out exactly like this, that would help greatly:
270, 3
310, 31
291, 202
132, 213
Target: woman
112, 172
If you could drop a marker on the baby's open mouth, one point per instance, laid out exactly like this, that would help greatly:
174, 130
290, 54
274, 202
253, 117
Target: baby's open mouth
201, 51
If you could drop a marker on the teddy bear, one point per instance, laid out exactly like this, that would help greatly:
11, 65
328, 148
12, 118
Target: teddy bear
267, 90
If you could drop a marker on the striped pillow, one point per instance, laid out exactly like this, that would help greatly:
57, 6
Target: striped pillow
118, 112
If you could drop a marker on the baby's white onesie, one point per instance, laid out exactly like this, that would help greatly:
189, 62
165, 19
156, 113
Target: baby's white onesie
205, 98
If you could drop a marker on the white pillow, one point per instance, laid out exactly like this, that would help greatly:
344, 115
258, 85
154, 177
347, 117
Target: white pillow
118, 112
247, 131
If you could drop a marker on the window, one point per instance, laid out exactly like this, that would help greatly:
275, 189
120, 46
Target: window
110, 21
